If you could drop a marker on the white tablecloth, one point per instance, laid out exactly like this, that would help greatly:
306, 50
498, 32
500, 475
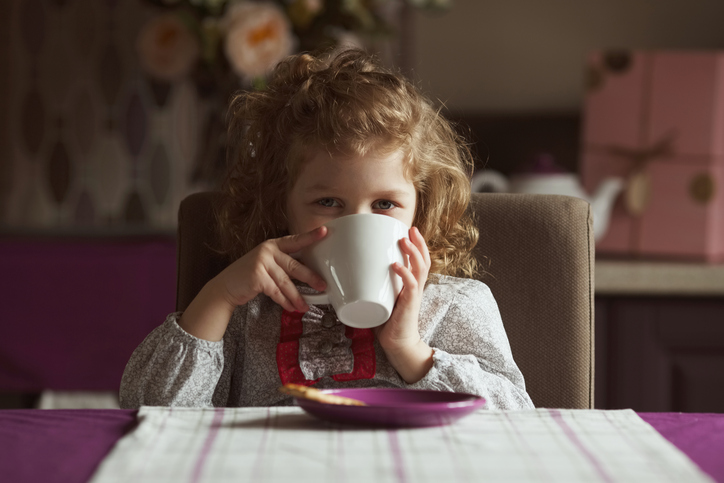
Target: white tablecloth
286, 444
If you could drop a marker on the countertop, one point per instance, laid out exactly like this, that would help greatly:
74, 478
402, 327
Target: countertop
647, 277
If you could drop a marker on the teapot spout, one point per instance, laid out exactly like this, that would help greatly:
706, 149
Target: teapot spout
602, 204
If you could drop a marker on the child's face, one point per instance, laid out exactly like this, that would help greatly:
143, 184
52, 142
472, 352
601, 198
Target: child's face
328, 188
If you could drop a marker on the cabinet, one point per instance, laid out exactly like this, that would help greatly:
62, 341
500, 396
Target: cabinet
659, 336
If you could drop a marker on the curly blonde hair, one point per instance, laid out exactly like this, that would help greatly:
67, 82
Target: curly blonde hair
347, 104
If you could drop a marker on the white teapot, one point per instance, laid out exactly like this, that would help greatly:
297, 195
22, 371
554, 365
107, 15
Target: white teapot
546, 177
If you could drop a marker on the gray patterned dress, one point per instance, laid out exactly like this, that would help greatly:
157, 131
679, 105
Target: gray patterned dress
265, 347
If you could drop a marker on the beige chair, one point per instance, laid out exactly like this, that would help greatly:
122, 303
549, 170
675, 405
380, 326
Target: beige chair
538, 254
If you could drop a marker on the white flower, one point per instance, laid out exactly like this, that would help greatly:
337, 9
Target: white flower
258, 36
166, 49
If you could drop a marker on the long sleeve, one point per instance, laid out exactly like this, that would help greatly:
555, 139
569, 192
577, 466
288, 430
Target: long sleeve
173, 368
459, 320
472, 354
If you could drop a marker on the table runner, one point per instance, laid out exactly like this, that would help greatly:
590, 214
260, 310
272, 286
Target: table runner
699, 435
285, 444
57, 446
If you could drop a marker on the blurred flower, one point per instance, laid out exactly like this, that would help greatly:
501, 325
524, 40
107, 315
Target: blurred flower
166, 48
258, 36
226, 45
247, 38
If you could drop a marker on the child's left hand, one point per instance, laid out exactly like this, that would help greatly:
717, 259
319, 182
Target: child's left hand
400, 336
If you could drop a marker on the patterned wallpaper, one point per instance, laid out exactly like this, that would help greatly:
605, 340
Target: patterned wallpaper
87, 142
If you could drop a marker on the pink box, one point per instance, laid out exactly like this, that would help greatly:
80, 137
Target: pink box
656, 119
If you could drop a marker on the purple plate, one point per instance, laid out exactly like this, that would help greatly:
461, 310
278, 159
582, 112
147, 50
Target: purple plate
395, 407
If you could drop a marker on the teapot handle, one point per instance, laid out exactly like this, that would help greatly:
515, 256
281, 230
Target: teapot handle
489, 181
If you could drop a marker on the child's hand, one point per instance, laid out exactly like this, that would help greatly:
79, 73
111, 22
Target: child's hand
400, 336
269, 268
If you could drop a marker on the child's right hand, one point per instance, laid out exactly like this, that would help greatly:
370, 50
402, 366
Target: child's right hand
269, 268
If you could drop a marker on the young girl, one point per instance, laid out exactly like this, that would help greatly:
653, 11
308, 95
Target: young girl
328, 138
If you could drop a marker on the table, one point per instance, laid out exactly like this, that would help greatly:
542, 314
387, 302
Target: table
67, 445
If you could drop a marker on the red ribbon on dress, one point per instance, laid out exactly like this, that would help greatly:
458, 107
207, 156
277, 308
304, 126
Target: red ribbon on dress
290, 372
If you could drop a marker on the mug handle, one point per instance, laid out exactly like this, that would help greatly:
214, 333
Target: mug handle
316, 299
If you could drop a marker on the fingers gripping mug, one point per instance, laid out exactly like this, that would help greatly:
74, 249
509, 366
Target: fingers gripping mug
355, 259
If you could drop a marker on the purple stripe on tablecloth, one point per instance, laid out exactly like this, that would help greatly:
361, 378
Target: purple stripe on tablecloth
558, 418
208, 443
397, 456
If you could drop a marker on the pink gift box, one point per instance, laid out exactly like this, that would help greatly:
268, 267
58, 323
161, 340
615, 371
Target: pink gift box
656, 119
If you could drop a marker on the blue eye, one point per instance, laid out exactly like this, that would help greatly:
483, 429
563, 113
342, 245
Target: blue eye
384, 205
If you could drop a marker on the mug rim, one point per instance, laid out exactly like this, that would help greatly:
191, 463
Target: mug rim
366, 215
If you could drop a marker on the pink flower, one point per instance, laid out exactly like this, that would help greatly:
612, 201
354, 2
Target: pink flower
258, 36
166, 48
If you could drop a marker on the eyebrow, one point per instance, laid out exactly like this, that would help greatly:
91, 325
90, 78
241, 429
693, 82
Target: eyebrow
320, 187
391, 193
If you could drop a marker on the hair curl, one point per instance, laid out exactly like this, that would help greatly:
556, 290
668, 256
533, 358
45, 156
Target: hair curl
347, 104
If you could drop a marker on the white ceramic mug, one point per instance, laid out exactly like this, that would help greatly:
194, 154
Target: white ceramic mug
355, 259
